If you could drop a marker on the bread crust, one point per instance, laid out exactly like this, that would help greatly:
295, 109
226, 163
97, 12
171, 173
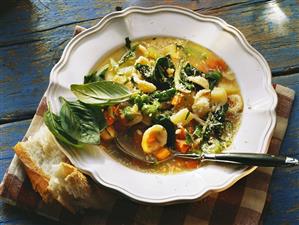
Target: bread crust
38, 178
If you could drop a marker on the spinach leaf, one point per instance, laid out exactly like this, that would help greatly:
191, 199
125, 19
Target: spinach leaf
144, 70
215, 123
165, 95
160, 76
81, 122
191, 70
53, 122
164, 120
101, 93
213, 78
96, 76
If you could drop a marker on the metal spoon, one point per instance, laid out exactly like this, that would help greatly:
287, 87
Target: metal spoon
125, 144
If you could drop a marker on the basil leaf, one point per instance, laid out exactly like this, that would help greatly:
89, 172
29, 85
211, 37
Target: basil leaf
53, 122
81, 122
102, 93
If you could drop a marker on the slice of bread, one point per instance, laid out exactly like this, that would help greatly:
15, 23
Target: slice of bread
54, 178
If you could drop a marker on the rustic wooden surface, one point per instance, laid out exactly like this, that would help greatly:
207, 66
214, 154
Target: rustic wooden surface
33, 34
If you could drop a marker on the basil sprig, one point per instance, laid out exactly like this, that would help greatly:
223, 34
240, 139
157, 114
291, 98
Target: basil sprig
77, 123
80, 122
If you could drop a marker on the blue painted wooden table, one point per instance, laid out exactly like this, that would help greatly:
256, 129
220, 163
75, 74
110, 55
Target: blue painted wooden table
33, 34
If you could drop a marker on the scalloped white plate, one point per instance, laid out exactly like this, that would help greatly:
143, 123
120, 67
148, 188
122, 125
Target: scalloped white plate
252, 72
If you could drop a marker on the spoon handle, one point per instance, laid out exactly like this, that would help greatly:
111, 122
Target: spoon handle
252, 159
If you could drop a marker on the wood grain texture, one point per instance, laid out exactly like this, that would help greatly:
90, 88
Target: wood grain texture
283, 208
34, 33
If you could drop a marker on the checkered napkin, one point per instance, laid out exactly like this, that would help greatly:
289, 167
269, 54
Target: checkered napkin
243, 203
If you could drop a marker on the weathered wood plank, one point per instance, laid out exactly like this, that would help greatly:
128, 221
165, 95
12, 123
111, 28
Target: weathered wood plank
283, 208
34, 34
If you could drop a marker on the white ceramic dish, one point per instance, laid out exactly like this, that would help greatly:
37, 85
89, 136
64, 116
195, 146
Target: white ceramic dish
252, 72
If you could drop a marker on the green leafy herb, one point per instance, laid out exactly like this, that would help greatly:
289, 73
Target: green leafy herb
215, 123
189, 139
140, 99
197, 132
164, 120
128, 114
144, 70
160, 76
164, 96
101, 93
128, 42
130, 54
53, 122
151, 109
213, 78
191, 70
81, 122
96, 76
126, 57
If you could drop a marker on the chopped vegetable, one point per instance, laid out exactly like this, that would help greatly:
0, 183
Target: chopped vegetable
164, 96
96, 76
160, 76
162, 154
213, 78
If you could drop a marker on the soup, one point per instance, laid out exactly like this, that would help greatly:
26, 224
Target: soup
159, 95
186, 97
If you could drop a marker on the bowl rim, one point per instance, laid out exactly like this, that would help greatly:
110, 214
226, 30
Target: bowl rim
188, 12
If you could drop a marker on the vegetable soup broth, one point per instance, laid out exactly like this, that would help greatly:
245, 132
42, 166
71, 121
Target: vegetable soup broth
216, 95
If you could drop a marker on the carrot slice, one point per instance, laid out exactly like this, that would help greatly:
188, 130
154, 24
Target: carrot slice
219, 64
180, 133
162, 153
182, 146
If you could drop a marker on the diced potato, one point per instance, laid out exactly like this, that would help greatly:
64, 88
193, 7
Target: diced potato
231, 87
142, 60
141, 50
120, 79
219, 96
182, 117
170, 72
